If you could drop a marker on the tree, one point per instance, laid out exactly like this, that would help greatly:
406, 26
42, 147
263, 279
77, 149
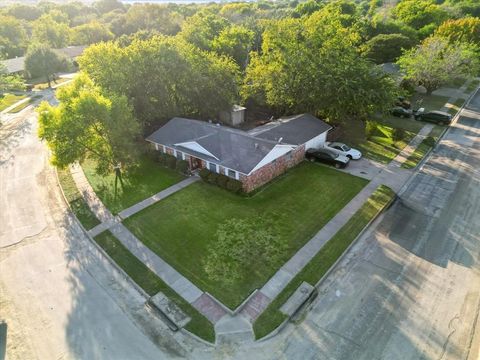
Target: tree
13, 38
235, 41
43, 61
465, 30
419, 13
386, 47
105, 6
152, 17
89, 123
436, 62
202, 28
90, 33
9, 82
239, 246
164, 77
47, 31
24, 12
308, 65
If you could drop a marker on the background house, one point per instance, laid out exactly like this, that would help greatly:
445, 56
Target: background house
254, 157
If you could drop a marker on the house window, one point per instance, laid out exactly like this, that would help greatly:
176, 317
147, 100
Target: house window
212, 167
232, 174
289, 155
179, 155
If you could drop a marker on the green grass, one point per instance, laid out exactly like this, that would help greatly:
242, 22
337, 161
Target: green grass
181, 227
140, 183
412, 161
429, 102
22, 106
472, 86
400, 123
381, 147
7, 100
152, 284
423, 148
77, 203
271, 318
456, 106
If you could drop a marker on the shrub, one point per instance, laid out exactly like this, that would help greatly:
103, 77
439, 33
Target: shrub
182, 166
204, 173
171, 161
370, 129
234, 185
162, 159
429, 141
222, 180
212, 178
398, 134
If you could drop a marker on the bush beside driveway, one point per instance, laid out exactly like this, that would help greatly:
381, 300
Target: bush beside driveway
181, 227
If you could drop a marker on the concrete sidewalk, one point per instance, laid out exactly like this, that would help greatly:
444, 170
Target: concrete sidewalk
204, 303
157, 197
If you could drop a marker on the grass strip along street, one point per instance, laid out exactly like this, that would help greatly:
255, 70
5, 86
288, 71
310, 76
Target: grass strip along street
152, 284
271, 318
77, 203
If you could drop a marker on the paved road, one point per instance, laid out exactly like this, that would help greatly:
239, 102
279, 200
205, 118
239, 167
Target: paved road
59, 297
410, 289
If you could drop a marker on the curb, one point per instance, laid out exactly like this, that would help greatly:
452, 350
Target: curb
360, 234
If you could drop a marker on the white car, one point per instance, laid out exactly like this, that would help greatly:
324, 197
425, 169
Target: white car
342, 149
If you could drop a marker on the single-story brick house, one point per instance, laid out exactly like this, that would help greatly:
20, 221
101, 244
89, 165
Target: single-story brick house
254, 157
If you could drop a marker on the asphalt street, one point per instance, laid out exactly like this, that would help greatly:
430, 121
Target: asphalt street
408, 289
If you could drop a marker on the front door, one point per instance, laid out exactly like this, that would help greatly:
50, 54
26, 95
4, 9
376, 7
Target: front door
196, 163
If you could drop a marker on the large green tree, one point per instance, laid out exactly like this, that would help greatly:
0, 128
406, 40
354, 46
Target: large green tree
420, 13
90, 33
386, 47
89, 123
13, 37
464, 30
202, 28
309, 65
436, 62
235, 41
42, 61
46, 30
164, 77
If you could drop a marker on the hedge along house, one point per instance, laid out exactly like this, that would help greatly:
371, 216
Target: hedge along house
254, 157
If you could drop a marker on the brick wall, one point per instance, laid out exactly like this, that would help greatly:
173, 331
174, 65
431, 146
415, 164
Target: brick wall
272, 170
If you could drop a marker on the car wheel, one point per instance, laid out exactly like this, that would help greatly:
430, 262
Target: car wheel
311, 159
337, 166
349, 156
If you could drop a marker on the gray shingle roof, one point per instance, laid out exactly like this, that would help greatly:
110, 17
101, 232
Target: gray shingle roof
237, 149
18, 64
295, 130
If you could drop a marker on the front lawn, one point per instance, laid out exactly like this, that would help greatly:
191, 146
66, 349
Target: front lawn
152, 284
271, 318
142, 182
298, 204
7, 100
429, 102
380, 146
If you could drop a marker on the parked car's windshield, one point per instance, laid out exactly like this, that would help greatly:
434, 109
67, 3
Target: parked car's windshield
346, 148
